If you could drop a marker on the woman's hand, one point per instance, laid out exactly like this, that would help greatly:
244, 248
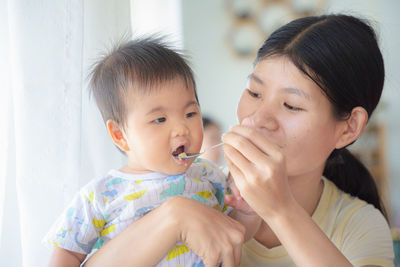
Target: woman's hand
243, 212
236, 201
212, 235
258, 168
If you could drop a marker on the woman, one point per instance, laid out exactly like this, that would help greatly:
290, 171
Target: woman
315, 83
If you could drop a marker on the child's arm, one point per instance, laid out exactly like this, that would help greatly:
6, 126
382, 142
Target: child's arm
65, 258
242, 212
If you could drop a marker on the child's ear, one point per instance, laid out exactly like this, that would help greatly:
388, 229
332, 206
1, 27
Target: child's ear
353, 127
117, 135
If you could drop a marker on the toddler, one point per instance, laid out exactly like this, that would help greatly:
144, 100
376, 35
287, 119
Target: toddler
146, 94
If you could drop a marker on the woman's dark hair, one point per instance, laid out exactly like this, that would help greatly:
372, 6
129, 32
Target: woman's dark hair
340, 54
141, 64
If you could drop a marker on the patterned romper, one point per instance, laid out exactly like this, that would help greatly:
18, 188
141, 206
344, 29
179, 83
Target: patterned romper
105, 207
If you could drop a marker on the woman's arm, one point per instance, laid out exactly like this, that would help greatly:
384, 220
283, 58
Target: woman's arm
259, 170
211, 234
302, 238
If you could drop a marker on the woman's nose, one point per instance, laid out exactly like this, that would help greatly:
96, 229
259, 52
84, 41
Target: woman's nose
261, 119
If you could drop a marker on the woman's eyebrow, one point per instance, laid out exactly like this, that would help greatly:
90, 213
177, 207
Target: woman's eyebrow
290, 90
296, 91
254, 77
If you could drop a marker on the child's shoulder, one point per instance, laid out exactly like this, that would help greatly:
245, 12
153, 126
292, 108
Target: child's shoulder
106, 188
107, 181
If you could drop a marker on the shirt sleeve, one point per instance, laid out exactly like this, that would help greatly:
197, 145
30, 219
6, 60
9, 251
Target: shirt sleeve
78, 227
367, 239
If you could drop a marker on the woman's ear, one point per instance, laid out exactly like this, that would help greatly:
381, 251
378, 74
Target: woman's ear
353, 127
117, 135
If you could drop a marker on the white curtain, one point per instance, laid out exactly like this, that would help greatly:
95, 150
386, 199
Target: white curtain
162, 16
52, 138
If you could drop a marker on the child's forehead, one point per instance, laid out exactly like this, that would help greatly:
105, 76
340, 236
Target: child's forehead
159, 92
155, 85
154, 88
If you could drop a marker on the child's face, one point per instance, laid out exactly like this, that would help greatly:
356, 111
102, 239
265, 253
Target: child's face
160, 125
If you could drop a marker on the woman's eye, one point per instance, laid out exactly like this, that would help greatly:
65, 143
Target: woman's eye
253, 94
190, 114
290, 107
160, 120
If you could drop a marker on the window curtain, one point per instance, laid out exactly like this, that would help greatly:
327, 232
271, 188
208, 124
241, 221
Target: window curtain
53, 139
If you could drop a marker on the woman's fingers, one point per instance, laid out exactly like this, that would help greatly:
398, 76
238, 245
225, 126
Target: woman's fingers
230, 257
212, 235
258, 168
237, 254
235, 191
258, 138
243, 168
251, 142
242, 147
228, 260
235, 172
211, 261
242, 151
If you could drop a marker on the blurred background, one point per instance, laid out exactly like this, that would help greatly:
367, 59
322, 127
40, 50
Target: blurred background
52, 138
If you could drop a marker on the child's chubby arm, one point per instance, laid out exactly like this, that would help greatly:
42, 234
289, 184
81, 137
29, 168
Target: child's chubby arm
65, 258
242, 212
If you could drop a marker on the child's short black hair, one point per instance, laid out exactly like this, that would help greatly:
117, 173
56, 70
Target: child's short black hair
135, 65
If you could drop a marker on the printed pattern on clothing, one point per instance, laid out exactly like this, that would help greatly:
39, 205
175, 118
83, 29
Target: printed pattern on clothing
105, 207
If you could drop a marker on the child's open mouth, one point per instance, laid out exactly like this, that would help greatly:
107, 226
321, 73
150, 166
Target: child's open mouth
179, 152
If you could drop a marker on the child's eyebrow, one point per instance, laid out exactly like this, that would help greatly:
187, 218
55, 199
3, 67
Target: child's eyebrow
154, 110
160, 108
190, 103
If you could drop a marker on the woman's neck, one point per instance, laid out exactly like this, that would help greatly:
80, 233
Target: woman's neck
307, 192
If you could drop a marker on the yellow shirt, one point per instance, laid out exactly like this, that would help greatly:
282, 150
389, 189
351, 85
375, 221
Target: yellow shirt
358, 229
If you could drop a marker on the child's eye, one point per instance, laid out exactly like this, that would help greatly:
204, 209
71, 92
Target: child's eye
190, 114
160, 120
253, 94
293, 108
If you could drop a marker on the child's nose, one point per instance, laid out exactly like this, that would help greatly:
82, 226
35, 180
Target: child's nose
180, 129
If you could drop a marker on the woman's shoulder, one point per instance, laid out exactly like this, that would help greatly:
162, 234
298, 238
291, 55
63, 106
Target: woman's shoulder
344, 204
346, 215
358, 228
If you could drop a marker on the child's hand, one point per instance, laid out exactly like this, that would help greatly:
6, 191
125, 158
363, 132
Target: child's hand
236, 201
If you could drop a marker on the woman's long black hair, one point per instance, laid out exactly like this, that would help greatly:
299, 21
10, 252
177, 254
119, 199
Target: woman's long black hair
340, 53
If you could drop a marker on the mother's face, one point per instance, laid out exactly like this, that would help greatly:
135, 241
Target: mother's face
292, 111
